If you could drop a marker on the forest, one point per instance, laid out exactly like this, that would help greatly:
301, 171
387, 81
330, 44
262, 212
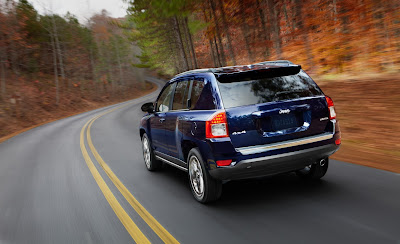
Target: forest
324, 36
76, 54
53, 64
58, 61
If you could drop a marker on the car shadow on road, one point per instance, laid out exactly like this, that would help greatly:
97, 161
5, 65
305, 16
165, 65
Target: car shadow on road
273, 189
278, 189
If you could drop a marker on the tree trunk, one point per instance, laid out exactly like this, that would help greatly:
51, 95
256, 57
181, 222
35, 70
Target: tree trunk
334, 10
3, 77
59, 52
220, 63
335, 14
11, 33
213, 56
227, 33
287, 20
196, 66
93, 68
304, 33
3, 58
175, 54
245, 32
53, 46
274, 12
103, 69
186, 42
110, 74
180, 43
265, 31
218, 32
13, 54
121, 78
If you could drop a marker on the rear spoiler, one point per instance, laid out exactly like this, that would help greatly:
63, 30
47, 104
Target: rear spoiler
255, 73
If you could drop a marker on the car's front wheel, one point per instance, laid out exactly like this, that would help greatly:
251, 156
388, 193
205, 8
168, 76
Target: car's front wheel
150, 160
204, 187
316, 170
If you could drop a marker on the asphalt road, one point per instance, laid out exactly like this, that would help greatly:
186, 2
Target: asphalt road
50, 193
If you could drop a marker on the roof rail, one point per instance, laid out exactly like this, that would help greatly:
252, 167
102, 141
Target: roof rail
194, 71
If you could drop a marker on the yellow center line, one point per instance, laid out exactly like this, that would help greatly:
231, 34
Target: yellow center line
164, 235
130, 226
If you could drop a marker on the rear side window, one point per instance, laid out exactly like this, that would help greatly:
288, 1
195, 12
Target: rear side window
266, 90
201, 96
197, 88
181, 95
163, 102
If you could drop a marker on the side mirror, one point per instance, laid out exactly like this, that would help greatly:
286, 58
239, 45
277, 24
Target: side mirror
148, 107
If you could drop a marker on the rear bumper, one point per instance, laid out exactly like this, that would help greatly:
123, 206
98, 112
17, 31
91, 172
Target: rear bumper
274, 164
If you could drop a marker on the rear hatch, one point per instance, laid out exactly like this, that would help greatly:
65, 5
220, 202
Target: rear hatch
269, 107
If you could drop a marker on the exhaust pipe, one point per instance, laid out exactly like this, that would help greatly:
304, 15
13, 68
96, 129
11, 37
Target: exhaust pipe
322, 162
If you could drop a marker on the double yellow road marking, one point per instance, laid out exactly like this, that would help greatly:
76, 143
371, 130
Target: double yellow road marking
128, 223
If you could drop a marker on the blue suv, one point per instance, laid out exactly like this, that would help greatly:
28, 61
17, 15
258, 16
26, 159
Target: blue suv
240, 122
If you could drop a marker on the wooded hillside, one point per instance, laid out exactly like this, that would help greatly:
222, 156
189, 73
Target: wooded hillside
52, 65
325, 36
91, 56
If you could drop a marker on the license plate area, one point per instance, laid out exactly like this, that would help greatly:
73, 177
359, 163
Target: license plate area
284, 121
279, 122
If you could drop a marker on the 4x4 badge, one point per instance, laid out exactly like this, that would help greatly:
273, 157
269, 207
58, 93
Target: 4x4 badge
238, 133
284, 111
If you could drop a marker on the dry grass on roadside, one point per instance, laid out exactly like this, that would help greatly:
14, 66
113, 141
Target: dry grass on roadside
35, 111
369, 115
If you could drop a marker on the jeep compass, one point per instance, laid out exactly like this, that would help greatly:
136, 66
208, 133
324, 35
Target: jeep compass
240, 122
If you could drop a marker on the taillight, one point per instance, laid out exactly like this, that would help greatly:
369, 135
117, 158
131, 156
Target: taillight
224, 162
331, 107
217, 126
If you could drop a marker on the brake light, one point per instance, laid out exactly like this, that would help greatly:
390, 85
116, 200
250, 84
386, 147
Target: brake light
217, 126
331, 107
224, 162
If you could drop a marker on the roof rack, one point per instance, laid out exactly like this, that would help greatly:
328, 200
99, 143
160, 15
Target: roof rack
238, 68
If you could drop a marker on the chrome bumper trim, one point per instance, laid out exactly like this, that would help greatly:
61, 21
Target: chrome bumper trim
285, 144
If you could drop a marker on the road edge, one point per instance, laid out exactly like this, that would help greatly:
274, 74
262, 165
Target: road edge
7, 137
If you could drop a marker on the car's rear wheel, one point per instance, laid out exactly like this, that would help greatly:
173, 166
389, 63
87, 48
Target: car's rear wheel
204, 187
316, 170
150, 160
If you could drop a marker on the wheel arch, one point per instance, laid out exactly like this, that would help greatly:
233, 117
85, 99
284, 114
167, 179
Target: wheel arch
142, 132
187, 145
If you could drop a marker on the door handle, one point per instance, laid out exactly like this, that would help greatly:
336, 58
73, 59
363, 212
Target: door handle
162, 120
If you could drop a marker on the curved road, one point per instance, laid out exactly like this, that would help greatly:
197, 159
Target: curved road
55, 188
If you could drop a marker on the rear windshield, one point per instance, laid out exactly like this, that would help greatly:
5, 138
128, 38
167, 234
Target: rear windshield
266, 90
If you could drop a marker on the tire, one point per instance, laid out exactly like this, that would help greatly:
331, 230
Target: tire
152, 164
204, 188
314, 171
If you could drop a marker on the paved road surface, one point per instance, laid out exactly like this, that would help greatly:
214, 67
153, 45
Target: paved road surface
49, 194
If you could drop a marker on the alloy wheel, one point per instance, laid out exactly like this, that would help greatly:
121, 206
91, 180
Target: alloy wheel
146, 152
196, 176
